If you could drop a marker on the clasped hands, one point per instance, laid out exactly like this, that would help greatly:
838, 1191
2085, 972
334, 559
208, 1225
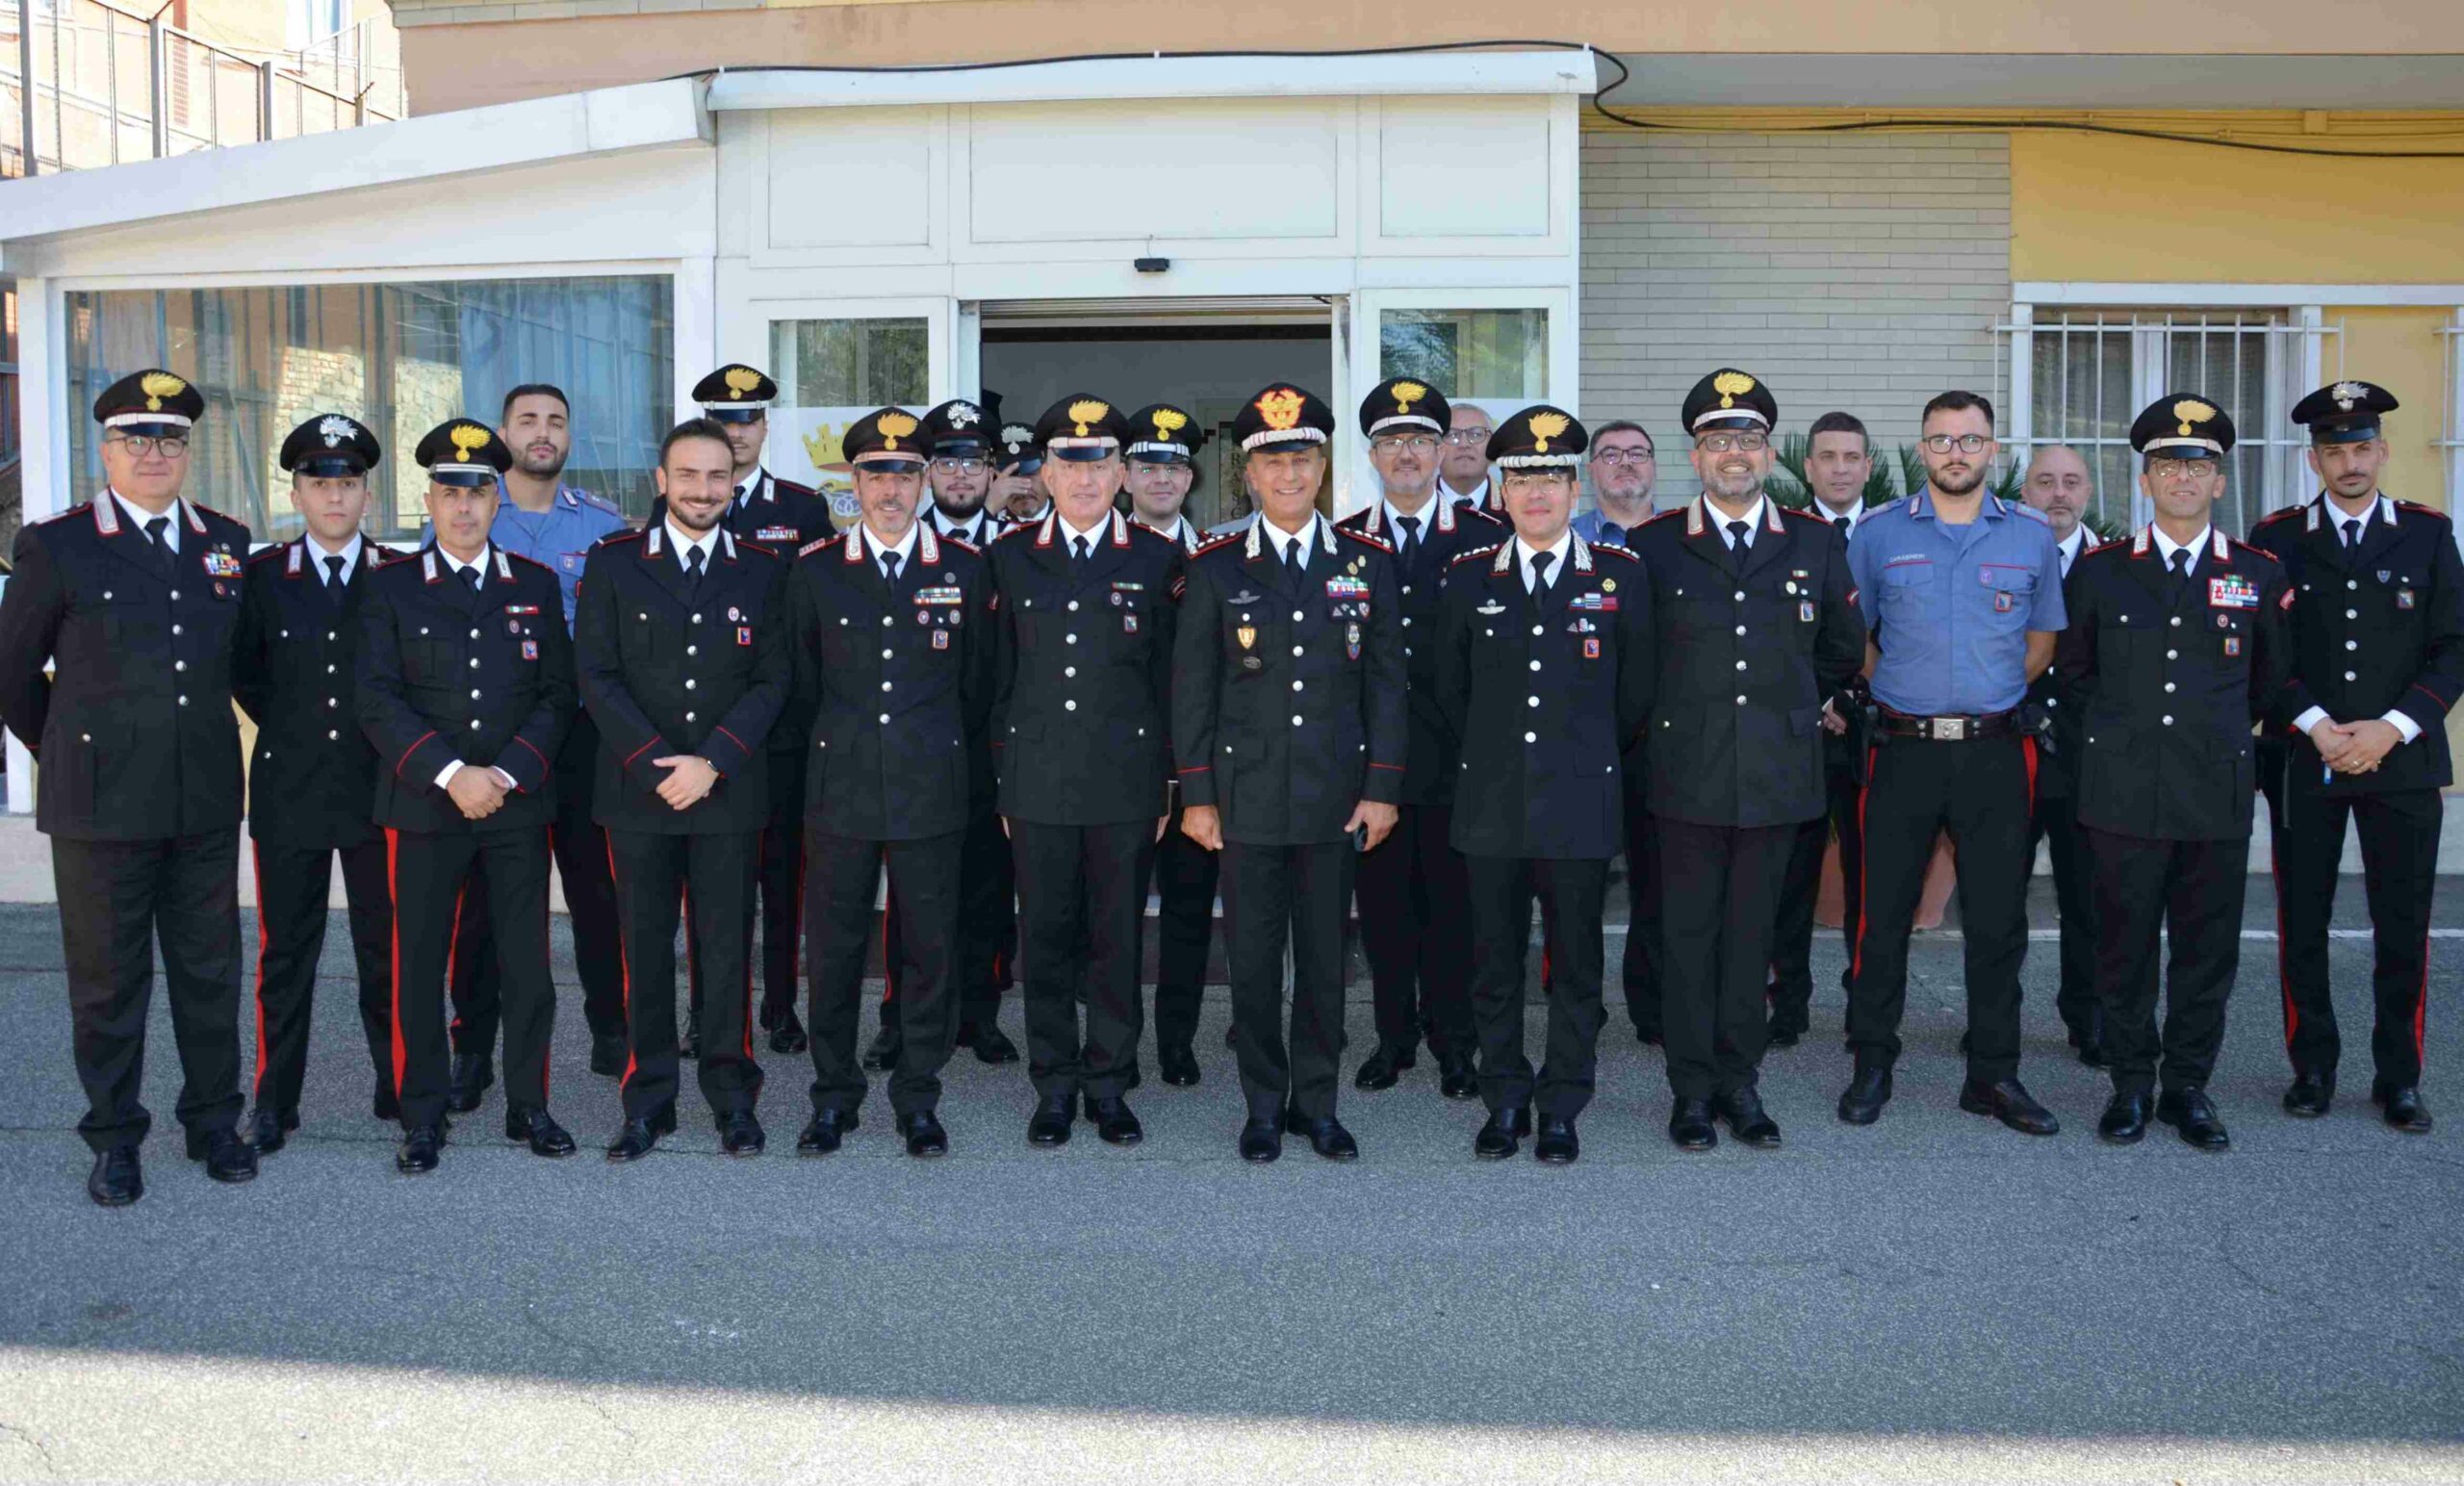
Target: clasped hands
2354, 748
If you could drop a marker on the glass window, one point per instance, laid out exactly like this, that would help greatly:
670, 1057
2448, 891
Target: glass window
401, 358
830, 373
1468, 353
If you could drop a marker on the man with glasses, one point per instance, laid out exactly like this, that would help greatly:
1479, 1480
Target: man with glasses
1838, 460
1963, 599
1624, 467
1413, 893
2378, 660
1163, 475
136, 595
1463, 471
2176, 644
2059, 485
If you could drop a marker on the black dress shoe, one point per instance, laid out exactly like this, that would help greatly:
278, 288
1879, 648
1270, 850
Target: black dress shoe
609, 1053
418, 1152
991, 1045
822, 1132
2009, 1102
1326, 1134
269, 1129
1049, 1125
2311, 1095
1178, 1062
2400, 1106
637, 1137
2091, 1052
881, 1055
1746, 1119
2125, 1119
786, 1033
227, 1157
472, 1073
740, 1134
538, 1128
1496, 1139
116, 1180
1262, 1139
1556, 1144
385, 1104
1648, 1037
1115, 1125
1690, 1127
2193, 1116
924, 1134
1457, 1078
1869, 1090
1384, 1067
1788, 1028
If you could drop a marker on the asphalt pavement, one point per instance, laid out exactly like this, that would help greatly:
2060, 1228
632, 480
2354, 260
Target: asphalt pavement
1933, 1298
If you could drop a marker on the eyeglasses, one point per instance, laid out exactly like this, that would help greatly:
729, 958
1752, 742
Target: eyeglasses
1732, 442
1624, 457
1533, 479
169, 445
1418, 443
2176, 468
1465, 438
961, 466
1965, 443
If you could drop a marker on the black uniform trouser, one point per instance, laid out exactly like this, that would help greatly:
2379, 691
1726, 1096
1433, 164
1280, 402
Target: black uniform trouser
840, 876
1719, 896
292, 889
1793, 939
115, 897
590, 904
2399, 873
782, 880
2191, 890
712, 874
1080, 905
1572, 893
1184, 875
2055, 823
1640, 967
1981, 790
1415, 898
986, 936
1274, 897
507, 870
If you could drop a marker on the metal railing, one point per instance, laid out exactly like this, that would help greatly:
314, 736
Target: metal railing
84, 84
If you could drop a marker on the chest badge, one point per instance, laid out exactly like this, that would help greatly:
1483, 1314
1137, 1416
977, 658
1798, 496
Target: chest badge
1591, 647
2403, 598
1352, 642
743, 633
1247, 635
1805, 613
1491, 608
2232, 646
2002, 602
529, 650
941, 639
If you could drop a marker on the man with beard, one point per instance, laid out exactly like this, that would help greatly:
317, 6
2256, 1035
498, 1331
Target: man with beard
1163, 475
681, 653
888, 634
555, 525
1544, 674
2059, 485
1415, 898
2378, 660
1962, 596
1759, 631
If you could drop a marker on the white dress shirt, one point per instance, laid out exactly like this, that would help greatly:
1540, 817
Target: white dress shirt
1280, 540
456, 567
684, 541
2311, 717
1525, 551
905, 547
350, 555
138, 516
1723, 521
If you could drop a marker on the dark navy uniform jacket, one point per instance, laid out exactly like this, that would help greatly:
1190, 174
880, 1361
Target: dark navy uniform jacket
296, 671
1449, 529
136, 736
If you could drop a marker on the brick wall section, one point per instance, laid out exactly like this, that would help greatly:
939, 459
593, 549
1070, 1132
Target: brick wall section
1854, 272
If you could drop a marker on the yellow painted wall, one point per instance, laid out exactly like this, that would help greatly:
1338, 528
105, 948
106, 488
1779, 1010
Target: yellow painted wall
2401, 351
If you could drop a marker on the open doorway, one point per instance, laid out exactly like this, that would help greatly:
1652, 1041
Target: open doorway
1205, 356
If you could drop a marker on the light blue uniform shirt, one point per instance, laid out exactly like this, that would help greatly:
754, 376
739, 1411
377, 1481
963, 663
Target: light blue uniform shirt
1594, 527
1951, 606
558, 538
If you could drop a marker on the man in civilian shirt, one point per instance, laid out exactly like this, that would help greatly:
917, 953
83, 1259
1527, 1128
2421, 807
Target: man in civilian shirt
2059, 485
1463, 463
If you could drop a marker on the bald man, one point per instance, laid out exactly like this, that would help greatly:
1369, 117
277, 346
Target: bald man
2059, 485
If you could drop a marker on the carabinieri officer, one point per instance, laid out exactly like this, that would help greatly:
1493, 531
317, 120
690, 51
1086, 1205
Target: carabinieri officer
135, 594
466, 686
1961, 592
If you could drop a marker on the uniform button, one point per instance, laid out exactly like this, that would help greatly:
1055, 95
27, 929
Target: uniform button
1529, 737
1740, 702
87, 737
475, 694
688, 684
1296, 614
331, 736
1069, 707
1073, 606
885, 621
1740, 665
176, 596
692, 649
2053, 702
179, 665
286, 634
1407, 588
640, 614
330, 635
2167, 720
885, 717
2349, 614
2352, 644
1297, 686
1069, 672
474, 634
2173, 655
886, 685
697, 619
842, 620
1407, 653
474, 723
1740, 596
1740, 630
1530, 701
2168, 686
2350, 582
688, 717
1536, 629
475, 663
1407, 621
333, 702
184, 702
1296, 649
2347, 675
885, 654
1295, 719
1070, 638
2177, 620
1535, 665
329, 670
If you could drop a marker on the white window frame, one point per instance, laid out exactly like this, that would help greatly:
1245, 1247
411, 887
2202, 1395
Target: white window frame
1369, 307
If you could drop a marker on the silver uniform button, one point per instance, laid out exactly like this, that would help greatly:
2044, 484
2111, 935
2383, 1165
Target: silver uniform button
1296, 613
688, 683
1535, 665
2169, 720
1073, 606
692, 649
475, 694
286, 634
1296, 650
474, 634
1740, 596
184, 702
2352, 644
886, 685
2348, 676
331, 736
1069, 671
688, 717
2173, 655
1531, 701
179, 665
2177, 620
1069, 707
2168, 686
1295, 719
1297, 686
885, 717
1529, 737
1740, 702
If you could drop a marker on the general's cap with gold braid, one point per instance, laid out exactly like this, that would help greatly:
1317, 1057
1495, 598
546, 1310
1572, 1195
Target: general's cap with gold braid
152, 403
888, 439
463, 451
1081, 427
2344, 412
1730, 398
1404, 402
1540, 437
1281, 414
735, 394
2182, 425
1164, 434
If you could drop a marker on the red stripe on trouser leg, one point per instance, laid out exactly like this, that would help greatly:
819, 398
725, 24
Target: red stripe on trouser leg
1864, 853
394, 890
2028, 751
623, 964
2283, 966
889, 972
257, 866
547, 1053
453, 951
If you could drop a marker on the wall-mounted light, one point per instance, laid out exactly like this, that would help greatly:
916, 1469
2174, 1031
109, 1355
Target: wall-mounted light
1151, 265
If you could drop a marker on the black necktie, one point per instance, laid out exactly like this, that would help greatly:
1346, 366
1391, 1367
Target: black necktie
1847, 525
1292, 556
155, 530
334, 579
471, 578
1411, 541
2352, 533
1078, 550
1540, 572
692, 569
1736, 538
2181, 573
890, 568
